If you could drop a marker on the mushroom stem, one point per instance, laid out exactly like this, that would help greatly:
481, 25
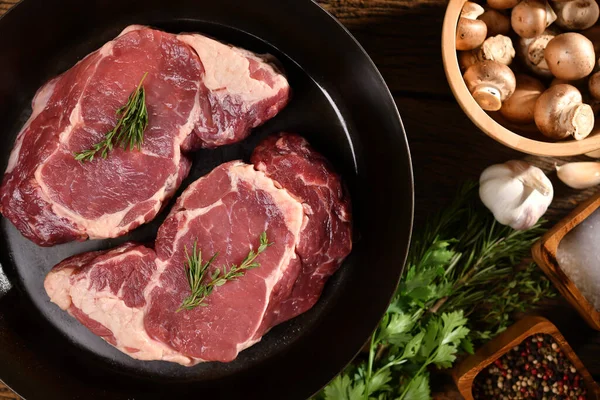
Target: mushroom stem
497, 48
488, 97
580, 119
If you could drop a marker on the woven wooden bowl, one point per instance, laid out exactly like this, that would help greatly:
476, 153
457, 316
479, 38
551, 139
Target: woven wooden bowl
523, 138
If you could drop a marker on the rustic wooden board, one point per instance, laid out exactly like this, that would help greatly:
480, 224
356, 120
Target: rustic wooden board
403, 38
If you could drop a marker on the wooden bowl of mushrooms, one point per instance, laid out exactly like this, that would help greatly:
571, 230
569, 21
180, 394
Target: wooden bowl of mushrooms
526, 71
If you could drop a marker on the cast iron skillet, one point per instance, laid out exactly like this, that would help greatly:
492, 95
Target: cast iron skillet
341, 104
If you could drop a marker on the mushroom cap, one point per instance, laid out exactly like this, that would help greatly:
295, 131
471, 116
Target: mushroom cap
490, 83
530, 18
502, 4
594, 85
531, 51
497, 48
560, 112
471, 10
470, 33
570, 56
520, 107
576, 14
496, 22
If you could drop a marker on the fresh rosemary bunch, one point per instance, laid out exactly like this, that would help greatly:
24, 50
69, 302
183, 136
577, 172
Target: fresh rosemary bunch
196, 271
129, 131
464, 279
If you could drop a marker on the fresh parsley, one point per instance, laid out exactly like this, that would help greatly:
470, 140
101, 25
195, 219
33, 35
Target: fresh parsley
448, 298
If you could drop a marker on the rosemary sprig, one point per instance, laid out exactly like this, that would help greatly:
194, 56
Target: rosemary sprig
196, 271
129, 131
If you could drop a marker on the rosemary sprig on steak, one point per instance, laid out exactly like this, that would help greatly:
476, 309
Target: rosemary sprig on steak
129, 131
196, 271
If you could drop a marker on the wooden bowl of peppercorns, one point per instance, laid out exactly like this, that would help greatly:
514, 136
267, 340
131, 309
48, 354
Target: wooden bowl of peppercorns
530, 360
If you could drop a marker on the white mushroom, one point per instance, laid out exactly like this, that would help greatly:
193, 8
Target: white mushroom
502, 4
560, 113
530, 18
490, 83
496, 22
570, 56
497, 48
531, 51
520, 107
576, 14
467, 58
470, 32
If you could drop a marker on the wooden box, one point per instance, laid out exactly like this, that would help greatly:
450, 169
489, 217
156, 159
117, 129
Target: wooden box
544, 254
465, 372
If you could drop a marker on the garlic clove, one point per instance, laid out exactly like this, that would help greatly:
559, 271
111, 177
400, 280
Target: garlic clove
517, 193
579, 175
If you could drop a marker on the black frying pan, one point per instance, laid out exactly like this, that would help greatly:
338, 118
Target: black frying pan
340, 103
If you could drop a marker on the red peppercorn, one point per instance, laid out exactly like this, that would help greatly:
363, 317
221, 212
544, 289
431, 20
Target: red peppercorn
549, 372
523, 354
545, 377
565, 377
527, 367
523, 390
498, 364
539, 345
581, 398
534, 371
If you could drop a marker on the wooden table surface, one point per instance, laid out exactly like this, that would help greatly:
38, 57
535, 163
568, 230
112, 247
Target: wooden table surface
403, 38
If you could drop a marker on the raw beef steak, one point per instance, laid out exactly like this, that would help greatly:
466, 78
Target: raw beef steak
224, 212
327, 237
105, 291
199, 93
130, 295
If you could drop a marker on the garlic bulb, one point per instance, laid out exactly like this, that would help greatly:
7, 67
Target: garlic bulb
579, 175
517, 193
